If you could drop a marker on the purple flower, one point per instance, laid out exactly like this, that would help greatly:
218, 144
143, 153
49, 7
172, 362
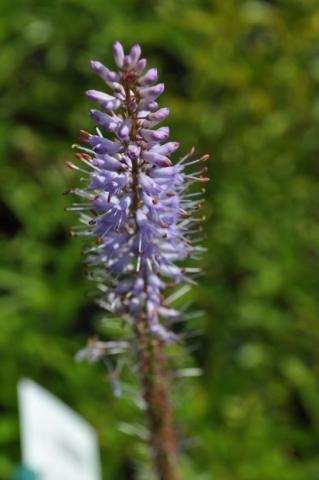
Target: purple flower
149, 78
137, 205
118, 54
151, 93
107, 75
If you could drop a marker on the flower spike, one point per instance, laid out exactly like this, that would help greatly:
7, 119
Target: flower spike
142, 219
143, 213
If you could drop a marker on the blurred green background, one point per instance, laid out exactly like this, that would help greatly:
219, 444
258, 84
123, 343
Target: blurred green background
242, 82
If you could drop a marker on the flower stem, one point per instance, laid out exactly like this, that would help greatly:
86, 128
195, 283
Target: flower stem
151, 360
152, 367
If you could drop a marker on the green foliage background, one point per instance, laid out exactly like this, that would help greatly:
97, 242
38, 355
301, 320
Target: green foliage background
242, 82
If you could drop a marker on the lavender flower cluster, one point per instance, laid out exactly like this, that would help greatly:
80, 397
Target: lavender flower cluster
136, 202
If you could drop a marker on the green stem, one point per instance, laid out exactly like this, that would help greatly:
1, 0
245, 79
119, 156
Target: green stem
152, 367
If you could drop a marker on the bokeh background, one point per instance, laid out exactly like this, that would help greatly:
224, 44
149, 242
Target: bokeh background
242, 82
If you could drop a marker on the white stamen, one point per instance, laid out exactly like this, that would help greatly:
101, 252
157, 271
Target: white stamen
178, 294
